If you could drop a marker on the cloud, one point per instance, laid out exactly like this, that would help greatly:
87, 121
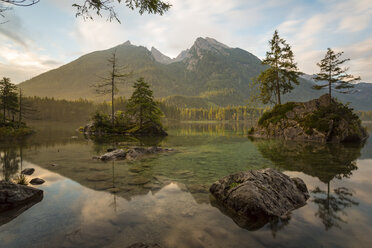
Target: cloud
337, 24
310, 27
13, 30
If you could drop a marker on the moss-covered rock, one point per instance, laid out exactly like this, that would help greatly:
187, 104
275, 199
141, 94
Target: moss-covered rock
316, 120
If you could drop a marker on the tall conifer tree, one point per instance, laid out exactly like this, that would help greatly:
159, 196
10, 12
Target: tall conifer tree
282, 71
142, 106
332, 73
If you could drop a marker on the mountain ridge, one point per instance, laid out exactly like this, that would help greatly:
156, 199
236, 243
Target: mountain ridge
210, 71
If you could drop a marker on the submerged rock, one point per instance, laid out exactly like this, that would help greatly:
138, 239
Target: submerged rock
254, 198
131, 153
113, 155
144, 245
28, 171
317, 120
37, 181
15, 195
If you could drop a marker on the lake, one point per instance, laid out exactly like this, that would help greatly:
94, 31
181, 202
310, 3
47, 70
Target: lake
164, 198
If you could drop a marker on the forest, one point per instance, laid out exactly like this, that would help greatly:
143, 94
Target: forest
50, 109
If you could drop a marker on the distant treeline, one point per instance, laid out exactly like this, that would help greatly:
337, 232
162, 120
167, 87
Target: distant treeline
50, 109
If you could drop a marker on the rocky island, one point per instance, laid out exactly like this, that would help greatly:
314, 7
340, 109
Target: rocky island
317, 120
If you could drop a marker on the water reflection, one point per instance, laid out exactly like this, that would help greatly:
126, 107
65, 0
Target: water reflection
326, 162
331, 206
254, 223
164, 199
10, 163
11, 160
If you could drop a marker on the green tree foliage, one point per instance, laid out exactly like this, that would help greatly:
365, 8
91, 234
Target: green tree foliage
9, 99
142, 106
108, 85
332, 73
99, 6
282, 71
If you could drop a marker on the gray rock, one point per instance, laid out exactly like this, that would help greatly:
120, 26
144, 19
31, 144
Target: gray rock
131, 153
28, 171
111, 149
113, 155
253, 198
15, 195
144, 245
37, 181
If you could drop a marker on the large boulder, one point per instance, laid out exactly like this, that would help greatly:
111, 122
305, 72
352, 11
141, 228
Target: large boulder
15, 195
253, 198
317, 120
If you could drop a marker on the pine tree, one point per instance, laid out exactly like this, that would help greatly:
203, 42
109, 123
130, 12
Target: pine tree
282, 71
331, 72
8, 97
108, 84
142, 106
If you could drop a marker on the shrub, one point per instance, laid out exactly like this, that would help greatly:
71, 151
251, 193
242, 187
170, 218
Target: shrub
276, 114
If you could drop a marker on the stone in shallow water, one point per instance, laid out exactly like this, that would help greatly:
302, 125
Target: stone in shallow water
98, 177
28, 171
136, 170
138, 181
144, 245
37, 181
254, 198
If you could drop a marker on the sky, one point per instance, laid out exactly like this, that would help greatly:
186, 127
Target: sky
47, 35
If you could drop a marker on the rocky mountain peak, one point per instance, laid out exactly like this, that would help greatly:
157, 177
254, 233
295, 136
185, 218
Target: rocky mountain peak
209, 44
159, 57
127, 43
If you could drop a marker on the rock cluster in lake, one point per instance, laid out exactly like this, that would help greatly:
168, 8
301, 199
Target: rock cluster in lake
131, 153
254, 198
317, 120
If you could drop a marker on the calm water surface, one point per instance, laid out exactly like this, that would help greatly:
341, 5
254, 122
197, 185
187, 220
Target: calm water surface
164, 199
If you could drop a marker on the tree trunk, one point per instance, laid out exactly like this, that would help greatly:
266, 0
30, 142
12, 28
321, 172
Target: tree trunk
330, 84
20, 109
278, 93
4, 108
112, 102
140, 116
277, 86
113, 93
330, 96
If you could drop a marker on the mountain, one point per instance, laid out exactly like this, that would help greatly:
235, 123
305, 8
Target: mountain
207, 74
159, 57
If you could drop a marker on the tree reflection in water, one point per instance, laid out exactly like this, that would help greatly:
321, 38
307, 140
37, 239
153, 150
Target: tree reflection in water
10, 162
309, 158
331, 206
